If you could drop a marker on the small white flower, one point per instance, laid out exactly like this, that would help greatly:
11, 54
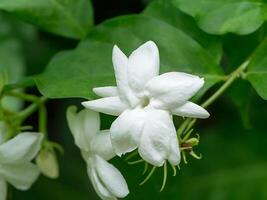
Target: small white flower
96, 149
15, 162
145, 102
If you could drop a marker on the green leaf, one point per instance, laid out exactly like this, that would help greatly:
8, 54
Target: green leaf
72, 18
75, 73
241, 93
164, 10
257, 70
220, 16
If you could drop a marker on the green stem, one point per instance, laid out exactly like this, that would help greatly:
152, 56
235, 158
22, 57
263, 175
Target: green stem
31, 109
23, 96
231, 78
43, 120
188, 123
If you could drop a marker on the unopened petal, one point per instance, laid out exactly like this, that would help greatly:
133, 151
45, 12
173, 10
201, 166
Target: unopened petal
109, 91
126, 131
21, 175
156, 141
3, 189
83, 125
100, 189
191, 110
111, 178
109, 105
173, 89
21, 148
101, 145
143, 65
120, 64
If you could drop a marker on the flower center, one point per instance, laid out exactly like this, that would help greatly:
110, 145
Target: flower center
145, 101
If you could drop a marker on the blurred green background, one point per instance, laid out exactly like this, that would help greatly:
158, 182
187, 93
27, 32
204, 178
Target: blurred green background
233, 139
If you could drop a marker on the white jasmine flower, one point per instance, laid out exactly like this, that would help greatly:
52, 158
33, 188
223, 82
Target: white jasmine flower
15, 165
145, 102
96, 149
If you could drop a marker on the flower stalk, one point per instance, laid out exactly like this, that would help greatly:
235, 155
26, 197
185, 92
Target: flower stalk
231, 78
26, 97
43, 119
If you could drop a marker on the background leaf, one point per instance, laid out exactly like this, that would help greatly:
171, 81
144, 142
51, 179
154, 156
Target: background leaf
72, 18
241, 94
220, 16
75, 73
12, 63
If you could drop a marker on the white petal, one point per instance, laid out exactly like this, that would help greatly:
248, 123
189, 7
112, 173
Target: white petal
126, 131
111, 178
21, 176
143, 65
109, 91
21, 148
191, 110
83, 125
108, 105
159, 140
173, 89
100, 189
120, 64
3, 189
174, 156
101, 145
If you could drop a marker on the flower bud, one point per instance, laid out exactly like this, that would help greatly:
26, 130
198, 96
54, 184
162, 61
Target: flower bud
192, 141
48, 164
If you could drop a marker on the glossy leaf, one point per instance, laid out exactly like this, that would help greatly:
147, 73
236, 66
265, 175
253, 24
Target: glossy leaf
164, 10
220, 16
257, 70
71, 18
75, 73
